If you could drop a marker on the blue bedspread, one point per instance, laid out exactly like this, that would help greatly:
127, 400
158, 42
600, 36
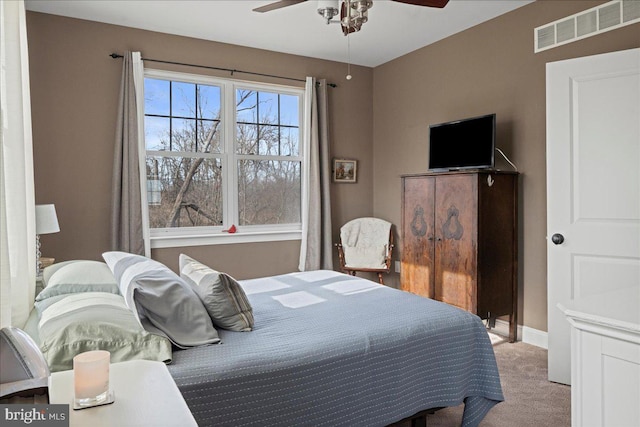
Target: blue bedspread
334, 350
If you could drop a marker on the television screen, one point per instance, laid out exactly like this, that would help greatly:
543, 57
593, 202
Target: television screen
463, 144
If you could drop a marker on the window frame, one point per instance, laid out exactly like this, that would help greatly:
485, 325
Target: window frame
215, 235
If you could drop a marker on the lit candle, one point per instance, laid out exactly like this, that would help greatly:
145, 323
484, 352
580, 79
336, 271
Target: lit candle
91, 377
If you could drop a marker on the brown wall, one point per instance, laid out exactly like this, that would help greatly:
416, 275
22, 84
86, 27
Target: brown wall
74, 93
490, 68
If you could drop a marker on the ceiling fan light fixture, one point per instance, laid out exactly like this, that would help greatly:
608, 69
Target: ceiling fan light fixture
361, 6
353, 14
328, 9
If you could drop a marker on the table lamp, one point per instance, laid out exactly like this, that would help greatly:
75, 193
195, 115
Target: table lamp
46, 223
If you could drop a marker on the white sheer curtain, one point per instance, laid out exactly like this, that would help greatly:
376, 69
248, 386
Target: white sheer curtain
17, 204
316, 247
129, 217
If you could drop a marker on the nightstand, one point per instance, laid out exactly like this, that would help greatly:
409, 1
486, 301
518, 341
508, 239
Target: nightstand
145, 395
46, 262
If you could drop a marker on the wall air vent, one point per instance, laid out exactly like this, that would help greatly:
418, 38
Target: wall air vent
597, 20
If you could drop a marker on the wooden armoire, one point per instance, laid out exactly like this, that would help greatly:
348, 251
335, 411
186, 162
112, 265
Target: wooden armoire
459, 241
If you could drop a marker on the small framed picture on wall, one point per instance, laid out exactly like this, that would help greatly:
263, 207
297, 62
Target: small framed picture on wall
345, 170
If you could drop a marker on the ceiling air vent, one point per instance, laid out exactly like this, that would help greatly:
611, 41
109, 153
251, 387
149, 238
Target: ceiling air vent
587, 23
566, 30
630, 11
546, 36
606, 17
609, 15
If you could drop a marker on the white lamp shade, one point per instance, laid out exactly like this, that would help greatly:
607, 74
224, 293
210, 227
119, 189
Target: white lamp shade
46, 219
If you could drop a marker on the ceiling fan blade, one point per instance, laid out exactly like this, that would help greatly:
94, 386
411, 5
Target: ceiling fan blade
428, 3
277, 5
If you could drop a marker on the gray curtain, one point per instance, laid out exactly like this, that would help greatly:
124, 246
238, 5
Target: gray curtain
126, 214
316, 250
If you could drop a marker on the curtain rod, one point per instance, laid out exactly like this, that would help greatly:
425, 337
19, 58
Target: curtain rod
231, 70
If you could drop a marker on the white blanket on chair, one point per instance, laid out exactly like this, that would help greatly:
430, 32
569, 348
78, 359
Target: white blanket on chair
365, 243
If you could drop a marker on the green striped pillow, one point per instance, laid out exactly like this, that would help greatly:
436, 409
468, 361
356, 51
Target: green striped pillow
220, 293
96, 321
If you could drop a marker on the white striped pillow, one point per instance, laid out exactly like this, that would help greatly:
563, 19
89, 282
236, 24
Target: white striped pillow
163, 302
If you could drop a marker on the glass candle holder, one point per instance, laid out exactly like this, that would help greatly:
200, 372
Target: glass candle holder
91, 378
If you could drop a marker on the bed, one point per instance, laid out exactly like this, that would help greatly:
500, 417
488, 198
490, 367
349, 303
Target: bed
326, 349
330, 349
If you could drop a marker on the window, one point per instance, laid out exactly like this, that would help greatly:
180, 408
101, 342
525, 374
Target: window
220, 152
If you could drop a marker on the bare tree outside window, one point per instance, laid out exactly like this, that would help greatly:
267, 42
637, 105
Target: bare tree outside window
186, 156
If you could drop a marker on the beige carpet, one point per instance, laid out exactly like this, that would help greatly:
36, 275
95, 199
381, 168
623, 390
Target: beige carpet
530, 399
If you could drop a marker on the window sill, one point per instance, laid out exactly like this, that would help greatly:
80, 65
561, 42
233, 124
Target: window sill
166, 241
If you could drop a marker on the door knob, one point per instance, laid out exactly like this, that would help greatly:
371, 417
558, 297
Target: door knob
557, 239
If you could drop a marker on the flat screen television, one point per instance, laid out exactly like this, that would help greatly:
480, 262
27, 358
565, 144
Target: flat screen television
463, 144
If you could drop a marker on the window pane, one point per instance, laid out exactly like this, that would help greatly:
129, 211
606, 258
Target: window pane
246, 106
183, 135
209, 136
246, 139
156, 133
268, 192
208, 102
289, 110
184, 192
289, 141
269, 141
183, 99
156, 97
268, 108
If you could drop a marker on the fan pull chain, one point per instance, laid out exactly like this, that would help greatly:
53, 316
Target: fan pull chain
349, 77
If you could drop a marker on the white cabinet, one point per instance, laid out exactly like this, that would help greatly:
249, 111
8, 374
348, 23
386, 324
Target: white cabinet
605, 359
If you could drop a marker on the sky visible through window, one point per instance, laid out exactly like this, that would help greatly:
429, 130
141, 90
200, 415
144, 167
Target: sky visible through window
190, 161
173, 106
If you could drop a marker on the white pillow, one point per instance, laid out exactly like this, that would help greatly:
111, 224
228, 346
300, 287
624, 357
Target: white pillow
47, 272
77, 276
163, 303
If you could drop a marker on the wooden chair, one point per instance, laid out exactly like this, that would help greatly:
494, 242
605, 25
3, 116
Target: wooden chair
366, 244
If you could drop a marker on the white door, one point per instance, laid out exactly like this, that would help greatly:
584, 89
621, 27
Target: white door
593, 186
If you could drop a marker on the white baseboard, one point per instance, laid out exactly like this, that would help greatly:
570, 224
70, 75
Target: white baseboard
524, 333
535, 337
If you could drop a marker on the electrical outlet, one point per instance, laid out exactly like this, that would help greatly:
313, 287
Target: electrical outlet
397, 266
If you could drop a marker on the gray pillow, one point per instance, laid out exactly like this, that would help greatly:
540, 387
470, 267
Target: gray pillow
96, 321
162, 301
221, 294
71, 277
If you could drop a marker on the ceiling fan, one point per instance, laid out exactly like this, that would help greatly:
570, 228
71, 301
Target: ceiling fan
353, 13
